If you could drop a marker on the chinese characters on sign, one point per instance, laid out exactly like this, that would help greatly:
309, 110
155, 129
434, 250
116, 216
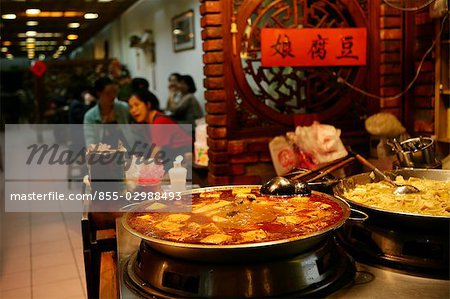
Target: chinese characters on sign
318, 47
313, 47
283, 48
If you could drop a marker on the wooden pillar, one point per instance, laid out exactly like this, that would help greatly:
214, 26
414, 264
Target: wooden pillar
216, 106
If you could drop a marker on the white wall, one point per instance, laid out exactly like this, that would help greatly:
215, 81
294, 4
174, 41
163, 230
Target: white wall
153, 15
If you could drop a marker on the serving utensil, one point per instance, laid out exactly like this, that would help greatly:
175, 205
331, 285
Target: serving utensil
283, 186
399, 189
288, 186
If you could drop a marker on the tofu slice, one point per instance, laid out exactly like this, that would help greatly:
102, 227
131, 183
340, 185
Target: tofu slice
210, 228
210, 207
216, 239
169, 226
289, 219
178, 217
253, 235
218, 219
144, 217
155, 206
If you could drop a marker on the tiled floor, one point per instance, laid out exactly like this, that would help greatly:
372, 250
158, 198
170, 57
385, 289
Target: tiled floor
40, 254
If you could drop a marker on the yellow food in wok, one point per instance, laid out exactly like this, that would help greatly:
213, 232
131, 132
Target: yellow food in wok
433, 199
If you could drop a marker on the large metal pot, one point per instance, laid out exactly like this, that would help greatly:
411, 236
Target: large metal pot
438, 224
241, 252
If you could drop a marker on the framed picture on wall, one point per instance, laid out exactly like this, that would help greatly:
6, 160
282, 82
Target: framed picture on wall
183, 35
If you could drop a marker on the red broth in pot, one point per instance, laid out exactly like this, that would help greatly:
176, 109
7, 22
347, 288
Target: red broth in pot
239, 216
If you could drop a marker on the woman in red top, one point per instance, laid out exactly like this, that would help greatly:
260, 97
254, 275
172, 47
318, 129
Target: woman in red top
165, 134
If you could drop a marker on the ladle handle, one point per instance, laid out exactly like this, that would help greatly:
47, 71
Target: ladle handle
332, 168
373, 168
297, 175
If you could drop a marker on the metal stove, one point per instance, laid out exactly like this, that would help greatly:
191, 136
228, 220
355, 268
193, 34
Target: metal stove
325, 272
421, 253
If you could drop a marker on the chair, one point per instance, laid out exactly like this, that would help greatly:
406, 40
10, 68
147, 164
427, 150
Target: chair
99, 246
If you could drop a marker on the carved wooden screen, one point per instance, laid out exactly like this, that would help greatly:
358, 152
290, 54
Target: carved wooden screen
266, 98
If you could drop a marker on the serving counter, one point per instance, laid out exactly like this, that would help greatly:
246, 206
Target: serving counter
368, 282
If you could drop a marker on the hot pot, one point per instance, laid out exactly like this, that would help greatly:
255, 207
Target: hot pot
411, 243
392, 218
241, 252
294, 267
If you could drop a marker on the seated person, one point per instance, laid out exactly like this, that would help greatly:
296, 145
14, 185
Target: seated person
173, 140
174, 93
187, 109
139, 83
108, 111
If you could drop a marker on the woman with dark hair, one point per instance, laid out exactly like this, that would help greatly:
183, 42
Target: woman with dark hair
171, 138
187, 109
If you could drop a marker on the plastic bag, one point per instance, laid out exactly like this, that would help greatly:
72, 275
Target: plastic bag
283, 155
384, 124
307, 147
320, 143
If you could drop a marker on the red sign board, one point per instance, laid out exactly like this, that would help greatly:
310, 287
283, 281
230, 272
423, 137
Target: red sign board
313, 47
38, 68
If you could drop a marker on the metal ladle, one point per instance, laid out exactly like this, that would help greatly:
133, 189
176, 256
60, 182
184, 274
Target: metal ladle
399, 189
284, 186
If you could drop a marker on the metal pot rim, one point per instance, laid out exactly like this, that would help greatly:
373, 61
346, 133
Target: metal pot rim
342, 203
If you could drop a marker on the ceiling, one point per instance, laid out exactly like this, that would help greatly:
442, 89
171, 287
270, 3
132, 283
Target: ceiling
50, 36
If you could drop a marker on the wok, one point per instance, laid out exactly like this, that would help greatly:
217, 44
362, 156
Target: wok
438, 224
239, 252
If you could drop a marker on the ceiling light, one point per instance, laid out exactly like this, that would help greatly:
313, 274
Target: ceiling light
56, 14
50, 14
4, 49
32, 11
7, 43
31, 33
71, 14
73, 25
9, 16
104, 0
60, 14
32, 23
9, 56
90, 16
72, 37
30, 40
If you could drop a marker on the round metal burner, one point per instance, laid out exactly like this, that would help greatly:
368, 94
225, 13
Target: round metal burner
421, 253
149, 273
